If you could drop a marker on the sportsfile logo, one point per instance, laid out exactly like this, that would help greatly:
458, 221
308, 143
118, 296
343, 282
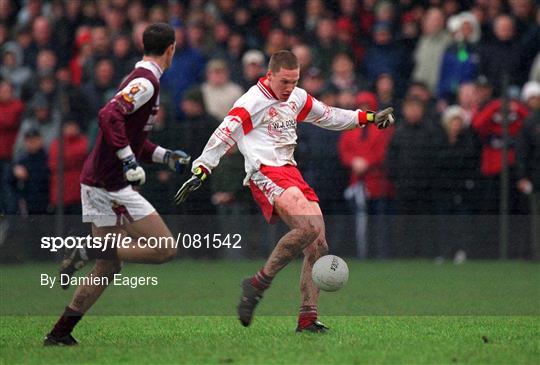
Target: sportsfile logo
112, 240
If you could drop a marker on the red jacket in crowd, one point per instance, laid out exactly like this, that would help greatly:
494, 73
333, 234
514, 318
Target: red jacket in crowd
371, 144
75, 152
10, 120
488, 125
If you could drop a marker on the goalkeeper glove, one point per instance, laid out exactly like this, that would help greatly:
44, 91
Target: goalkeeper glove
382, 119
176, 160
132, 171
199, 175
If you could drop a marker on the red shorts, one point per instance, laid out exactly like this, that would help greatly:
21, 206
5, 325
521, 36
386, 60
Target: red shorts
271, 181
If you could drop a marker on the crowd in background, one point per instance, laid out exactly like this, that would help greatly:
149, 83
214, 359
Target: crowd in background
443, 65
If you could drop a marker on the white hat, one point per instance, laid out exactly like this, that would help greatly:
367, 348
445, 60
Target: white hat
453, 111
530, 89
253, 56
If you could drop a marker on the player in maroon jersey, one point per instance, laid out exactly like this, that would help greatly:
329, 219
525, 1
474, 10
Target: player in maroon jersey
108, 200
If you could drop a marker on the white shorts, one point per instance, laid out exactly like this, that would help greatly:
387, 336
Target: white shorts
113, 208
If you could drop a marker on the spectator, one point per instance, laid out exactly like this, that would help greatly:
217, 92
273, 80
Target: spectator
233, 55
411, 167
254, 67
343, 76
12, 68
457, 179
43, 119
82, 52
384, 55
313, 82
101, 48
75, 152
315, 12
196, 129
219, 92
528, 158
31, 175
419, 90
11, 110
363, 151
101, 87
488, 125
161, 182
186, 69
430, 49
460, 60
483, 92
42, 39
44, 79
326, 45
468, 99
276, 40
384, 89
66, 27
123, 57
502, 56
304, 56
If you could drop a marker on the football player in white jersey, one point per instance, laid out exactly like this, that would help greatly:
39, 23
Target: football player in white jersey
263, 124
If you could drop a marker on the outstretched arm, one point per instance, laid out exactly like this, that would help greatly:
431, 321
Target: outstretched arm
337, 119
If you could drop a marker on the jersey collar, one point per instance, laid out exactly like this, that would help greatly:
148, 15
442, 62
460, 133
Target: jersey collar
265, 89
151, 66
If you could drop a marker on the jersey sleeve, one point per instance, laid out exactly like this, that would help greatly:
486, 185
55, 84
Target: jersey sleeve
128, 100
235, 125
318, 113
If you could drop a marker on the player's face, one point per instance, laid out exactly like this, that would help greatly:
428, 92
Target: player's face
283, 82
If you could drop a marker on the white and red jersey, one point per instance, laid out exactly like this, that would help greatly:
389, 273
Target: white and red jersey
264, 128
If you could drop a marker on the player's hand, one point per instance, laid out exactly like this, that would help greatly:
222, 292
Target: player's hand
383, 118
177, 160
194, 182
132, 171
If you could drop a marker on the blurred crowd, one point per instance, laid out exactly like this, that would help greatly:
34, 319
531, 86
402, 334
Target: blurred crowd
453, 70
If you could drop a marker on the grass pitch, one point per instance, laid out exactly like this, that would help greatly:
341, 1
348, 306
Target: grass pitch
389, 312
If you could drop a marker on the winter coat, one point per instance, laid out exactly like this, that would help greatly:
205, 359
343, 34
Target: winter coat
370, 143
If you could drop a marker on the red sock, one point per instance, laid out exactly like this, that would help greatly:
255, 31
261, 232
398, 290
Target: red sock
261, 280
66, 323
308, 315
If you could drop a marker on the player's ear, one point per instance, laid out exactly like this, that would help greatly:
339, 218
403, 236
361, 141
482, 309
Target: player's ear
268, 74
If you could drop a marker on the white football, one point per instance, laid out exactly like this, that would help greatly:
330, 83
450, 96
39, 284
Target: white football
330, 273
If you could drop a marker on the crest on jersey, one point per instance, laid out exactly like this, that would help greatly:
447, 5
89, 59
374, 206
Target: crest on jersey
293, 106
272, 113
129, 95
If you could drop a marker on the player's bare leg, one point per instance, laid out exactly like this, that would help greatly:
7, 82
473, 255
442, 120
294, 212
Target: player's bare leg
307, 319
149, 226
106, 266
305, 224
85, 295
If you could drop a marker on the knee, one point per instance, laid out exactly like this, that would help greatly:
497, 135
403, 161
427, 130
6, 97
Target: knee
107, 268
309, 235
165, 255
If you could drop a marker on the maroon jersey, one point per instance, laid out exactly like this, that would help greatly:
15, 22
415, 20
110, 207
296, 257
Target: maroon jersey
124, 121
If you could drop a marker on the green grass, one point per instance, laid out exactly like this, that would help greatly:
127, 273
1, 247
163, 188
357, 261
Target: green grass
389, 312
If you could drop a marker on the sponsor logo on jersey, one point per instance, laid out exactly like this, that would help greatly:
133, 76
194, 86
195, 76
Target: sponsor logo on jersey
278, 127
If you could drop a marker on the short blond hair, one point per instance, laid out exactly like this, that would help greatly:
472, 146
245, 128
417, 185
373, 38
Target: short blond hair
283, 59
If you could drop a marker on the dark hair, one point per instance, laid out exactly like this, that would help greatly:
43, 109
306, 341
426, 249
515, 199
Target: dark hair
283, 59
157, 38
